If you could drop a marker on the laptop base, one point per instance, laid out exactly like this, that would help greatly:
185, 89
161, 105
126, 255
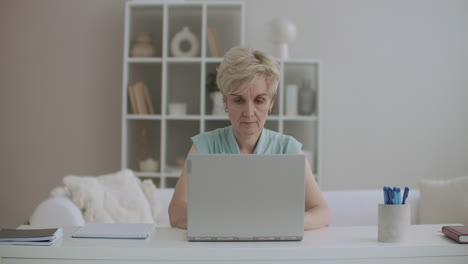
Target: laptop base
244, 239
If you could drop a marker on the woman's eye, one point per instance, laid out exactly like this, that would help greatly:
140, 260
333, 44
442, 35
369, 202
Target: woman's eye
260, 101
238, 101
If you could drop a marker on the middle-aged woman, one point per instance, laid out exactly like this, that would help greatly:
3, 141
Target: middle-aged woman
248, 80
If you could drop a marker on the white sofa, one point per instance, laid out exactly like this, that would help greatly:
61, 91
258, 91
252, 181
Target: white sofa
348, 208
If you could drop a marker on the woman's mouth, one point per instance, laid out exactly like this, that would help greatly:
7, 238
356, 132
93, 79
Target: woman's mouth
248, 123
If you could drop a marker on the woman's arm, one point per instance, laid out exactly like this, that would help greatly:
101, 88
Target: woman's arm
317, 213
178, 205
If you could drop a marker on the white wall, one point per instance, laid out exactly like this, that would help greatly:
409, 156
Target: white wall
394, 77
395, 82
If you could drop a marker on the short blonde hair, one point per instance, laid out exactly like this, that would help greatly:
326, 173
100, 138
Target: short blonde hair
242, 65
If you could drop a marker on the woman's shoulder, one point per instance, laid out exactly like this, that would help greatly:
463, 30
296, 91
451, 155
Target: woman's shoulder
214, 134
277, 136
276, 142
215, 141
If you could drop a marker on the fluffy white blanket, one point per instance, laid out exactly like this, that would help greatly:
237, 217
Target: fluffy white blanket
113, 198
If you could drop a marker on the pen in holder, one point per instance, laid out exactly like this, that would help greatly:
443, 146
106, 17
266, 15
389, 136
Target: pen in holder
394, 222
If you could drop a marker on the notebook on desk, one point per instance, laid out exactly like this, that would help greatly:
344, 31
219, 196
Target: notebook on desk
116, 231
234, 197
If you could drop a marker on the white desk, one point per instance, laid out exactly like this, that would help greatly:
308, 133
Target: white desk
330, 245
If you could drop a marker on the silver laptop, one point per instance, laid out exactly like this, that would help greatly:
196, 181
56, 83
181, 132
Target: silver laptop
233, 197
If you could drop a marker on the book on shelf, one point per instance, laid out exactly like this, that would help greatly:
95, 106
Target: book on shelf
149, 104
30, 237
140, 99
459, 233
132, 96
213, 42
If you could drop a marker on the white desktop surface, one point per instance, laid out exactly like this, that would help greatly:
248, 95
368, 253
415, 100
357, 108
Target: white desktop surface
329, 245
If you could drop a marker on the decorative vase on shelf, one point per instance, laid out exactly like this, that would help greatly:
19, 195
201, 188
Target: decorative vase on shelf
215, 95
184, 44
143, 45
218, 106
306, 99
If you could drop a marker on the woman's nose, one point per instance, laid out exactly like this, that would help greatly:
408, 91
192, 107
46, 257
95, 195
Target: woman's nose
249, 110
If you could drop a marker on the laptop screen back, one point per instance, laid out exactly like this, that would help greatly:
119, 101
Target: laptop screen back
245, 197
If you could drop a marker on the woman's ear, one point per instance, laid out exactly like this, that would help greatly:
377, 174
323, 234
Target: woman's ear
272, 104
225, 102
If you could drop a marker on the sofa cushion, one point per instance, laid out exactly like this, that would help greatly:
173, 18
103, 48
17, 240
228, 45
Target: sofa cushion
56, 212
113, 198
444, 201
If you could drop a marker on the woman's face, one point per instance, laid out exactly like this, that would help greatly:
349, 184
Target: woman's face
248, 110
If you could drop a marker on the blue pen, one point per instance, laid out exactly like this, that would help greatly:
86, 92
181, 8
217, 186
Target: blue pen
398, 196
391, 195
405, 195
387, 195
395, 197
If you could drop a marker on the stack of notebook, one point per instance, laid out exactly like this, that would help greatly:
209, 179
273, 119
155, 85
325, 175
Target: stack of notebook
32, 237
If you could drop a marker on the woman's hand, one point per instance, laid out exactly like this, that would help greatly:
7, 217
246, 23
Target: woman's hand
317, 213
178, 206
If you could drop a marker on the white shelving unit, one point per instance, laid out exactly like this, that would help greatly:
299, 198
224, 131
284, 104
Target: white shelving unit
174, 79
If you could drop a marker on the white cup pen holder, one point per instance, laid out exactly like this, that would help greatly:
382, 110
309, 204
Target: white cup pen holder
177, 109
393, 222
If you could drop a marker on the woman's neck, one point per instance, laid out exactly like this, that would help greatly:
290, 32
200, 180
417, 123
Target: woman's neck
247, 144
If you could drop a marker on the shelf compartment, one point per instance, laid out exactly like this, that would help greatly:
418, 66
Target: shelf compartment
305, 132
226, 21
170, 182
214, 124
181, 16
178, 134
183, 86
273, 125
143, 141
295, 73
150, 75
148, 18
210, 79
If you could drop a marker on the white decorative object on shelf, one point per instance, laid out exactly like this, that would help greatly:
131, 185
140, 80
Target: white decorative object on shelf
218, 106
149, 165
184, 44
177, 109
282, 32
291, 100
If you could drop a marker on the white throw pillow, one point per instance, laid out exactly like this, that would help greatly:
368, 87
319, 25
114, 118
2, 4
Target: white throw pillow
444, 201
113, 198
57, 212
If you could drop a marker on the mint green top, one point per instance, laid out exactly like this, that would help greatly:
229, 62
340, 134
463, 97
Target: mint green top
223, 141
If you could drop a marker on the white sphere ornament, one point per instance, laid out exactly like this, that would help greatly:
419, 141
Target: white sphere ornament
282, 31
